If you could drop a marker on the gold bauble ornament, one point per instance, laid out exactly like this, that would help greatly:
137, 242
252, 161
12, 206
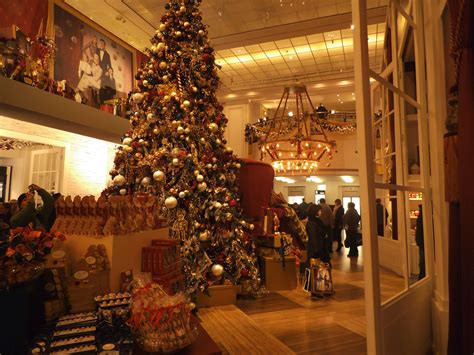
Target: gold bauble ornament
171, 202
119, 180
200, 178
186, 24
127, 141
180, 130
162, 27
156, 131
175, 161
218, 141
213, 127
145, 181
202, 186
165, 78
123, 192
158, 175
178, 33
202, 140
163, 65
217, 270
229, 150
182, 194
238, 165
128, 149
201, 33
196, 172
137, 97
203, 236
173, 94
195, 89
186, 103
151, 117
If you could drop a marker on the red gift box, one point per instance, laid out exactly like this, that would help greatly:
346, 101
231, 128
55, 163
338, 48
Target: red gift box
161, 258
172, 282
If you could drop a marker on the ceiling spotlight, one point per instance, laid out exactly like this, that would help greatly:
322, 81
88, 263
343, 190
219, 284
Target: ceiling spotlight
352, 27
290, 113
291, 57
333, 112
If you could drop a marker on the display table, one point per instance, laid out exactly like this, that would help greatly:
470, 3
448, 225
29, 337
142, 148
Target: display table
124, 251
204, 345
220, 295
275, 276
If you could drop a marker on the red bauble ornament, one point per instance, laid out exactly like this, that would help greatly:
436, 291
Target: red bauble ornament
244, 272
233, 203
134, 144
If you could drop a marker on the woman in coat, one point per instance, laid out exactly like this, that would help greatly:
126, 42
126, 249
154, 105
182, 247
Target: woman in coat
316, 231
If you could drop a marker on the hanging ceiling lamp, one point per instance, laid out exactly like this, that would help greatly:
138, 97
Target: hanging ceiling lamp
294, 139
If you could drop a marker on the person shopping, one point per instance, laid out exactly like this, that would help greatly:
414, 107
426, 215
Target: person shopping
351, 221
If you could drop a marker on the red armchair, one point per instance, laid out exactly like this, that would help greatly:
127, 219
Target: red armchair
256, 184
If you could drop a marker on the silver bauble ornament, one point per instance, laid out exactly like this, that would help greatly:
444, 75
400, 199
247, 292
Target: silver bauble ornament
119, 180
158, 175
127, 141
171, 202
217, 270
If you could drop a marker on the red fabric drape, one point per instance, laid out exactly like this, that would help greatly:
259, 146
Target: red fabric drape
26, 14
461, 283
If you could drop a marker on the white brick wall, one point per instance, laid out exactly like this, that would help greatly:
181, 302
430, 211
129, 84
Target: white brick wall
86, 160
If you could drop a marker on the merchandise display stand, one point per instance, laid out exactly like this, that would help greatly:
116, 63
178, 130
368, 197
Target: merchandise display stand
124, 251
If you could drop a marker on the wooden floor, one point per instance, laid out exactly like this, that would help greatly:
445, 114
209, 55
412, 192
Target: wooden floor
290, 322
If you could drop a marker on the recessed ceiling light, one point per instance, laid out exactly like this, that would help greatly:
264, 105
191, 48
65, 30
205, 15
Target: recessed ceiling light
352, 27
291, 57
290, 113
333, 112
231, 96
347, 179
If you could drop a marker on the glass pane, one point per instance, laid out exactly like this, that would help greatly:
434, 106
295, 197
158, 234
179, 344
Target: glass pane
416, 252
391, 231
295, 199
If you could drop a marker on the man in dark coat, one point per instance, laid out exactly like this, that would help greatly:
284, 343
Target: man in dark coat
338, 223
351, 221
420, 241
380, 217
316, 231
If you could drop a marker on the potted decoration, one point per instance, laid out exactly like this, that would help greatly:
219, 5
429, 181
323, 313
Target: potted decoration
22, 256
23, 252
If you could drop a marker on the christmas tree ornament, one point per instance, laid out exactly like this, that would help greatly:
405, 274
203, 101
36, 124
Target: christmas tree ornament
199, 178
158, 175
202, 186
171, 202
182, 194
145, 181
127, 141
175, 161
213, 127
119, 180
217, 270
137, 97
123, 192
203, 236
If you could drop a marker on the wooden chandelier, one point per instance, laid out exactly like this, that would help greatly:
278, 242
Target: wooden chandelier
294, 139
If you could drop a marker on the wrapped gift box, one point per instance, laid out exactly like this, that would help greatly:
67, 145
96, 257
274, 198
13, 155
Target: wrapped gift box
172, 282
220, 295
278, 277
161, 258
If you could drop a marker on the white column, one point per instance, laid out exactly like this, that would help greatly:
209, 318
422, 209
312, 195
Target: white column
366, 174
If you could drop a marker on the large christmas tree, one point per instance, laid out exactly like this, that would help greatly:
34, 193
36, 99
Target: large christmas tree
176, 151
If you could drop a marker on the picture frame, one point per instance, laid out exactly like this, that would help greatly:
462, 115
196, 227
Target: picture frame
97, 65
